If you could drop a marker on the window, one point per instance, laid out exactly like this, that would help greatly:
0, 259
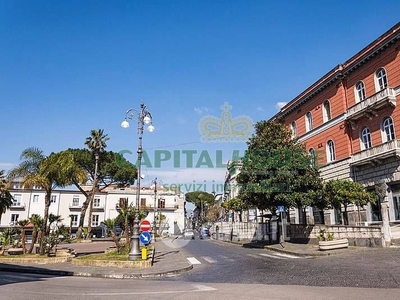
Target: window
75, 201
330, 151
313, 157
142, 202
360, 91
74, 220
14, 219
294, 130
53, 199
95, 220
35, 199
96, 202
326, 112
16, 186
17, 200
387, 130
308, 122
365, 138
380, 79
36, 187
161, 203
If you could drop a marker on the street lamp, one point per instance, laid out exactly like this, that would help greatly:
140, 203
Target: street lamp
154, 231
144, 117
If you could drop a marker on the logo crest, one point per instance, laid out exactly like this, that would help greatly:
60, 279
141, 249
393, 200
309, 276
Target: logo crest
226, 128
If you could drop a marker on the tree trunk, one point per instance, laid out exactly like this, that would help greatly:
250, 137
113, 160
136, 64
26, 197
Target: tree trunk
345, 216
34, 238
115, 239
90, 219
45, 219
23, 240
83, 214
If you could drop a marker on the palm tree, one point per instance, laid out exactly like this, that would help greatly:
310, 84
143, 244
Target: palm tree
96, 142
37, 222
110, 223
53, 219
5, 196
22, 224
47, 172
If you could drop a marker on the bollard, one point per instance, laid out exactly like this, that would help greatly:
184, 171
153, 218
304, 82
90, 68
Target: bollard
144, 253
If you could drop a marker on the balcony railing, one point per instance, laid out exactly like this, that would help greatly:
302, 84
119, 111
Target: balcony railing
17, 205
75, 206
369, 106
376, 154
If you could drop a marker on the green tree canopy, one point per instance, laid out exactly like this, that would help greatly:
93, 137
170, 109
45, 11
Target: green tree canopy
277, 170
199, 198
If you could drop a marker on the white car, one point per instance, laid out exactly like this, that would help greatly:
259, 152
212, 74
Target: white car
188, 234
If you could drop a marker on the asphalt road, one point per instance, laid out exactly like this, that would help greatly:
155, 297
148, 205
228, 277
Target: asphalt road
220, 262
226, 271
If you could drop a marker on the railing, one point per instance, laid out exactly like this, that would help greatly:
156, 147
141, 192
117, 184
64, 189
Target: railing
372, 102
18, 205
381, 151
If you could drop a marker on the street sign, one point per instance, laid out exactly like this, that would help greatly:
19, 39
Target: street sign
145, 237
281, 208
145, 225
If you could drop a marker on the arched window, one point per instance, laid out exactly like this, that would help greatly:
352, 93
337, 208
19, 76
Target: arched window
313, 157
294, 129
387, 129
309, 125
330, 151
380, 79
359, 91
326, 112
365, 136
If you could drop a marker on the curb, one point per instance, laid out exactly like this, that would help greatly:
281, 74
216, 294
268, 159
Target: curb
31, 270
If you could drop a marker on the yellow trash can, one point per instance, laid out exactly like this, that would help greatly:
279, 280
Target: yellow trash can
144, 253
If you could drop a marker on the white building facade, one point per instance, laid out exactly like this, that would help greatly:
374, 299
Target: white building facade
106, 205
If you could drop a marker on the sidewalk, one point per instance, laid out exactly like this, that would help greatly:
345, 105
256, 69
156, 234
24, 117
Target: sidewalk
167, 261
302, 250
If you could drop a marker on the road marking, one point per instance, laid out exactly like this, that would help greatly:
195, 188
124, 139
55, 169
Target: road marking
278, 255
226, 258
209, 259
193, 261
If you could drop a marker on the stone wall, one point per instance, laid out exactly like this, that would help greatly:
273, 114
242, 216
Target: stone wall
364, 236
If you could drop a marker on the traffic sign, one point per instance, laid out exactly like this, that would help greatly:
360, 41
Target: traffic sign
145, 225
281, 208
145, 237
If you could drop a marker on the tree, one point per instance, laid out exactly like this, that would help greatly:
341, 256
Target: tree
110, 224
200, 199
37, 222
48, 173
277, 170
96, 142
5, 195
53, 219
113, 169
22, 224
345, 192
236, 205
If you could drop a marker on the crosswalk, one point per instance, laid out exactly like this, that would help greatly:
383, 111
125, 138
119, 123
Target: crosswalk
223, 258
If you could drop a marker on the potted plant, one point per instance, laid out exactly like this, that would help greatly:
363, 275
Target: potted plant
326, 241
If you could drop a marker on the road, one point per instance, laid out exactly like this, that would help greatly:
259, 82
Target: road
226, 271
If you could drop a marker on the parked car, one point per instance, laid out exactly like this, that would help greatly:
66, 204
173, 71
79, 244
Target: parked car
188, 234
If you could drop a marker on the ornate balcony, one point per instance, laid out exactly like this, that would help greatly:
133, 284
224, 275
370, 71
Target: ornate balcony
376, 154
368, 107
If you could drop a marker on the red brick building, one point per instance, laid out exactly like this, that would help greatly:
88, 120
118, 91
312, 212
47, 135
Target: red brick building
349, 119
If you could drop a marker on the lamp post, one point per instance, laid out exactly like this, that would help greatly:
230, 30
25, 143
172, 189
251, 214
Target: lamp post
144, 117
155, 182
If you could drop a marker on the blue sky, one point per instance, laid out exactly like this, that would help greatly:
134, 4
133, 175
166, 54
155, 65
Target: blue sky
67, 67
